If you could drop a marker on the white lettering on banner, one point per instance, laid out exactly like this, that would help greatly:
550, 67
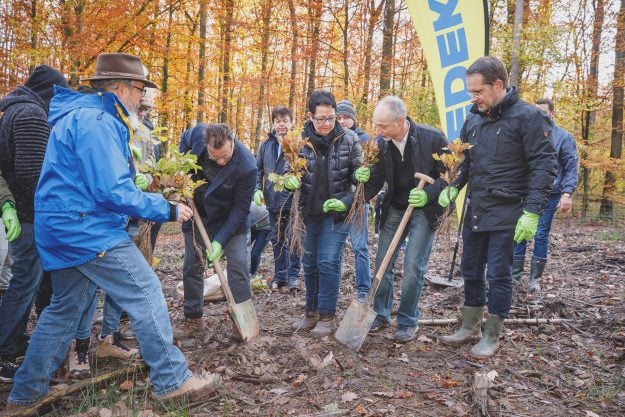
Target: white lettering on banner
453, 50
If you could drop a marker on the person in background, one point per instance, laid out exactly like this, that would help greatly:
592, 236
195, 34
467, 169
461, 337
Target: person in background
5, 259
561, 197
259, 234
270, 159
509, 170
85, 194
359, 236
332, 154
24, 132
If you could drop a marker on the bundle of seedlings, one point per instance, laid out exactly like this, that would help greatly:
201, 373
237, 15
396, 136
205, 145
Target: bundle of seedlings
291, 146
452, 157
356, 215
171, 176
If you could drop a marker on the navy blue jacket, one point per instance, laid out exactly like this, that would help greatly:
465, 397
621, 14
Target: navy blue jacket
568, 160
224, 202
363, 137
268, 161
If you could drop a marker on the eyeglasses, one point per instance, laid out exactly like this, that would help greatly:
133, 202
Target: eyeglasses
223, 159
324, 120
143, 90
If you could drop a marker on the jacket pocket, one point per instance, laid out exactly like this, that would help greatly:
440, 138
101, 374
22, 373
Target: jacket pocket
506, 193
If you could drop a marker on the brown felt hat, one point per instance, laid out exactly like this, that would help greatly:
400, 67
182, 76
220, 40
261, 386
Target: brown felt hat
118, 66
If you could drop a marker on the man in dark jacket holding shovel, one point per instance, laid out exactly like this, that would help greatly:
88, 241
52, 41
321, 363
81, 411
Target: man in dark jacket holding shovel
510, 170
405, 148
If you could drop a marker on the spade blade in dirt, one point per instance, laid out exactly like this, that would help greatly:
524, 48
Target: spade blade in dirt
355, 325
358, 318
446, 282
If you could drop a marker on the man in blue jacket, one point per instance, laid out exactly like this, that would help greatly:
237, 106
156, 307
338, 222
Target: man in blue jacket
561, 196
83, 200
223, 203
270, 159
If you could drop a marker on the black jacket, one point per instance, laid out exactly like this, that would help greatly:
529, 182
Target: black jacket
345, 156
425, 141
511, 166
24, 132
267, 161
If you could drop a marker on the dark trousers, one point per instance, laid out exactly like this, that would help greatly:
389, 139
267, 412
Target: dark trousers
495, 250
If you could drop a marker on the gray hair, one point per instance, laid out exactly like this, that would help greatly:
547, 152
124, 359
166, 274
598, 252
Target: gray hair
396, 107
108, 85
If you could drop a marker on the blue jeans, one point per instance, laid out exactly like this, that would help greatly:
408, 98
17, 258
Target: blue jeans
259, 241
416, 259
111, 315
541, 238
238, 270
287, 264
19, 297
360, 245
495, 250
128, 279
322, 260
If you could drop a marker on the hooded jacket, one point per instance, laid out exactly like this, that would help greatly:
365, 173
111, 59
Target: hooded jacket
511, 165
86, 190
24, 134
268, 161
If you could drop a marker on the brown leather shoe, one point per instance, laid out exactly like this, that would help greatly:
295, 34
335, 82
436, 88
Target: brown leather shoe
195, 387
190, 328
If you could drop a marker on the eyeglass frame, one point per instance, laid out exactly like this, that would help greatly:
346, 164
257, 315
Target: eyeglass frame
324, 120
143, 90
221, 158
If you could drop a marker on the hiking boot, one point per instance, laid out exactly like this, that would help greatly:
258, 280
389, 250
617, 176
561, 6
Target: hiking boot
361, 297
128, 334
378, 325
518, 264
112, 347
195, 387
190, 328
405, 334
470, 329
536, 271
307, 322
324, 327
7, 369
79, 367
489, 343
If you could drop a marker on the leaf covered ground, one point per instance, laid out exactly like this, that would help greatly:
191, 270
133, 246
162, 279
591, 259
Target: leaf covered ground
575, 368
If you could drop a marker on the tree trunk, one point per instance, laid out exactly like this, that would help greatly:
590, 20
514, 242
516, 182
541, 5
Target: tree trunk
345, 30
374, 15
225, 69
201, 77
386, 65
264, 45
314, 9
164, 114
34, 33
516, 42
294, 36
616, 143
588, 115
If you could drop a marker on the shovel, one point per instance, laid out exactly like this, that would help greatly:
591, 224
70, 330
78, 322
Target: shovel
360, 316
243, 314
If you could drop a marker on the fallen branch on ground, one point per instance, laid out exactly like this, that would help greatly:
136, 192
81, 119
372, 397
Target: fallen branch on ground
443, 322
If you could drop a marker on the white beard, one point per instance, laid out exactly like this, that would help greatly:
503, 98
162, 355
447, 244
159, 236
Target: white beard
134, 120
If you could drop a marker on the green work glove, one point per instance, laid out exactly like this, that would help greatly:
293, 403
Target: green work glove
216, 251
447, 196
362, 174
417, 198
526, 226
11, 222
292, 183
136, 152
141, 181
334, 205
259, 198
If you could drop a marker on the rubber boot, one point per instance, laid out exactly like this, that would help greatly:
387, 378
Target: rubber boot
518, 265
489, 343
324, 327
470, 329
307, 322
536, 271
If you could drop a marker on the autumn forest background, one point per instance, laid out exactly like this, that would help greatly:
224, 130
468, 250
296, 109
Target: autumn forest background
232, 60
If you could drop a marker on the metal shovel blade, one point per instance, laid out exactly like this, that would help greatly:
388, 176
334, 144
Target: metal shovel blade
446, 282
245, 319
355, 325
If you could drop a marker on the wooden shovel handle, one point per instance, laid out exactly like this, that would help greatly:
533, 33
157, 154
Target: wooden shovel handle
423, 179
209, 248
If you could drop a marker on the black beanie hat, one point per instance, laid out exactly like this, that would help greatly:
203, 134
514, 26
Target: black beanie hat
42, 82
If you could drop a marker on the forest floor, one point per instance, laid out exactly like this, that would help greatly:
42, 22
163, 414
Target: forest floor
572, 368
